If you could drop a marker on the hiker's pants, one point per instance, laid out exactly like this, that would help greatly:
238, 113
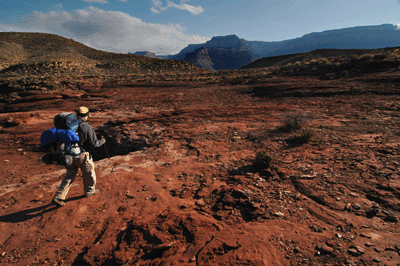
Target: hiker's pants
85, 163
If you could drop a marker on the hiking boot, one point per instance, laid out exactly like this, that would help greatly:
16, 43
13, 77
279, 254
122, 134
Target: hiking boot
59, 202
94, 192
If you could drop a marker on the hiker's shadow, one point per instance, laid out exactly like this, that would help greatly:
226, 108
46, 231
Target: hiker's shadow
25, 215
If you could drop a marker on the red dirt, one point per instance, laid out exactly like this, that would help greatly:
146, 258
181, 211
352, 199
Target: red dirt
187, 191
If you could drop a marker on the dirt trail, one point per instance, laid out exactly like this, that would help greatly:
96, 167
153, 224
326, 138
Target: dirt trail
188, 192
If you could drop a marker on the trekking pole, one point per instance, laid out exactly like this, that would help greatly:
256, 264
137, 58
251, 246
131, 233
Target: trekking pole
109, 159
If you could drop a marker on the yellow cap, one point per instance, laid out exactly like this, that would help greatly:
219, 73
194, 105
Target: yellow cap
82, 111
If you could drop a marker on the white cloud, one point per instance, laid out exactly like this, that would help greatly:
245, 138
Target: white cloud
96, 1
158, 7
155, 11
108, 30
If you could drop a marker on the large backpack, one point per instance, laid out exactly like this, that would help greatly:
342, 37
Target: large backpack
61, 142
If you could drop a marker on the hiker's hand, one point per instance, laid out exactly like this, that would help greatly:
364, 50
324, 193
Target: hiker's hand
103, 139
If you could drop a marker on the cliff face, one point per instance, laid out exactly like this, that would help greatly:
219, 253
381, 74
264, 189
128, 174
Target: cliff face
219, 58
200, 58
225, 52
230, 58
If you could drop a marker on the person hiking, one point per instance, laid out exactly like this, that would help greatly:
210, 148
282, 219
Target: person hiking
87, 141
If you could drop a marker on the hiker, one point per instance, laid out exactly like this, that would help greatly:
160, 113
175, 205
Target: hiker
87, 141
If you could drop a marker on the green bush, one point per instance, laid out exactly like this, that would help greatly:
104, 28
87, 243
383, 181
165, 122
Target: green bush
264, 159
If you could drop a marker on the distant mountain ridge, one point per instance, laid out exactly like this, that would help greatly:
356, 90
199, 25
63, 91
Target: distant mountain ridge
231, 52
363, 37
219, 42
225, 52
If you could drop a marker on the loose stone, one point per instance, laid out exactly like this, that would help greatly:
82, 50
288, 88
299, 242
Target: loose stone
201, 203
326, 249
391, 219
376, 260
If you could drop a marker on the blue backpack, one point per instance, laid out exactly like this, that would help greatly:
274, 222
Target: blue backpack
61, 142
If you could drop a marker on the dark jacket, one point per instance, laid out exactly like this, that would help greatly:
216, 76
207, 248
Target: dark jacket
87, 137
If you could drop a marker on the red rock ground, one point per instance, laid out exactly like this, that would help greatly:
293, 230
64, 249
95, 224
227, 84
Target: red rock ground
187, 190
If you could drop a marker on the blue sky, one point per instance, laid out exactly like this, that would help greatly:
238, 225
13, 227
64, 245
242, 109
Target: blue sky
167, 26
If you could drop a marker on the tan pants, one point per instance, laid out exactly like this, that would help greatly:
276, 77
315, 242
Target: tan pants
85, 163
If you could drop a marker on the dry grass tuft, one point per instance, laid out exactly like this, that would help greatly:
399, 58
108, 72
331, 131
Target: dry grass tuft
264, 159
293, 121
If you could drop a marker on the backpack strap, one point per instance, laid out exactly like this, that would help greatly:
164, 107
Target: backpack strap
80, 131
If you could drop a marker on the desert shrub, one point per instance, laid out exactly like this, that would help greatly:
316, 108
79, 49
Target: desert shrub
286, 67
264, 159
306, 135
329, 76
323, 61
380, 56
297, 64
365, 57
396, 53
52, 86
345, 73
293, 121
353, 58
